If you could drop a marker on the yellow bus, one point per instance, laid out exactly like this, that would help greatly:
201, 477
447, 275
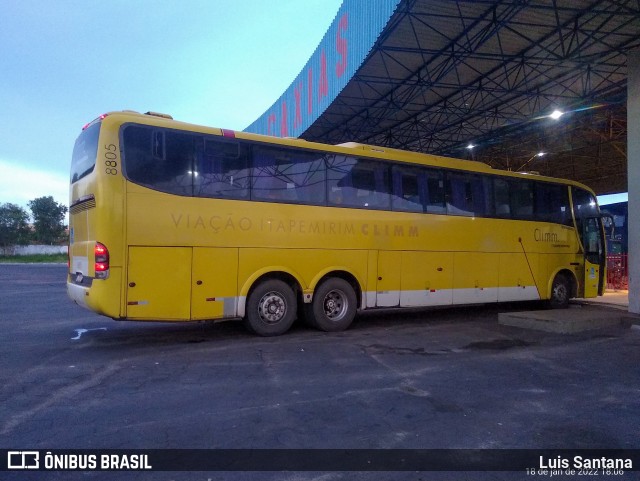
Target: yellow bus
177, 222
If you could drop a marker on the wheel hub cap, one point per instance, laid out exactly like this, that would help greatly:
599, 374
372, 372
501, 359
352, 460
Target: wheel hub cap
335, 305
272, 307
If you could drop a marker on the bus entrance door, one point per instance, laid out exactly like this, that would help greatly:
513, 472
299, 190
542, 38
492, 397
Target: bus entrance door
594, 256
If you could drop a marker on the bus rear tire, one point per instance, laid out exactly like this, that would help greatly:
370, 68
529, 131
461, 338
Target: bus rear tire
271, 308
333, 307
560, 292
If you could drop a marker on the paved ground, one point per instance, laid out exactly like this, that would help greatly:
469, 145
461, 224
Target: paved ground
612, 298
449, 378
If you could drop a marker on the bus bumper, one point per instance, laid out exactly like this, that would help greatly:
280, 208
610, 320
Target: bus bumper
78, 294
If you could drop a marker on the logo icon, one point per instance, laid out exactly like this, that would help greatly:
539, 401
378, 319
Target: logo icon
23, 460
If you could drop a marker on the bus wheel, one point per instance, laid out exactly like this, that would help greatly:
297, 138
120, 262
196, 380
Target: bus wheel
271, 308
560, 292
334, 305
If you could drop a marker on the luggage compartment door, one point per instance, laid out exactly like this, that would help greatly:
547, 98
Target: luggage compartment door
159, 283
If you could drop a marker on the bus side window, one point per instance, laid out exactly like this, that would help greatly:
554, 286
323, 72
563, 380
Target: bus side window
178, 168
522, 199
552, 203
223, 170
358, 183
466, 195
287, 175
501, 198
338, 167
435, 195
489, 205
160, 159
458, 195
138, 154
408, 191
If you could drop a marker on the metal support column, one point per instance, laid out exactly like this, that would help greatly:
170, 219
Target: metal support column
633, 169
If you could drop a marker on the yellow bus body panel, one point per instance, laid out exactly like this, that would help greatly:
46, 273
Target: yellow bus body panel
427, 279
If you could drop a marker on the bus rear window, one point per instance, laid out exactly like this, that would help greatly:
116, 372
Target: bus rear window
84, 152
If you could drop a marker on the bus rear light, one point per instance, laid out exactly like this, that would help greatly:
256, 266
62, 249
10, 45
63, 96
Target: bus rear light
101, 265
101, 117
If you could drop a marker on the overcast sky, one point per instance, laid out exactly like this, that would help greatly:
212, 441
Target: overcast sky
212, 62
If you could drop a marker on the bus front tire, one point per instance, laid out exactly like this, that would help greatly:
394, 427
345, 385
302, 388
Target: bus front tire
333, 307
271, 308
560, 292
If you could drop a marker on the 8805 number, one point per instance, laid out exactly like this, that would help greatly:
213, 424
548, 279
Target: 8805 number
111, 159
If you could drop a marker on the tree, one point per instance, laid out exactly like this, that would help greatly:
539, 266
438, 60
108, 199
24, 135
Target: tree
48, 218
13, 225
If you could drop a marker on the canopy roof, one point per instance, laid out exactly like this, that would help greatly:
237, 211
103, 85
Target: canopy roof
443, 75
